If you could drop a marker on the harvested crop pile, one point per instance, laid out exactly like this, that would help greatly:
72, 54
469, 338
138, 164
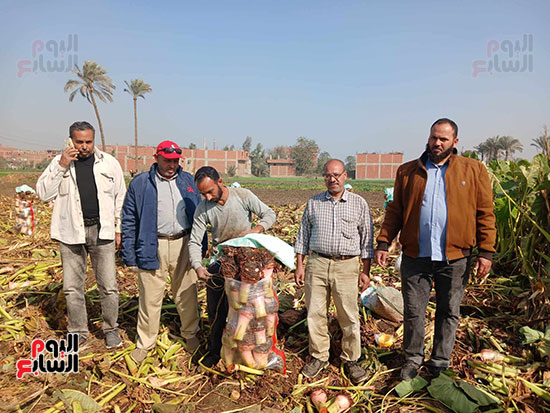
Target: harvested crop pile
32, 306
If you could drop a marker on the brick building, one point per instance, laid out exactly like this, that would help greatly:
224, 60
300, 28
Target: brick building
192, 160
281, 167
19, 157
377, 165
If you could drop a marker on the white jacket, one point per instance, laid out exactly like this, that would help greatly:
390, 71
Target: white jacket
59, 183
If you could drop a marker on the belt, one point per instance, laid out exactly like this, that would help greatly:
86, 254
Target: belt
88, 222
335, 257
175, 236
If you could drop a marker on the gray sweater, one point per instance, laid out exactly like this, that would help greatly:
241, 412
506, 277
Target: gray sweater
227, 221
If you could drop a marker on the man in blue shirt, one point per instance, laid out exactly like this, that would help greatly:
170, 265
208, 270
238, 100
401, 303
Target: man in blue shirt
157, 216
443, 207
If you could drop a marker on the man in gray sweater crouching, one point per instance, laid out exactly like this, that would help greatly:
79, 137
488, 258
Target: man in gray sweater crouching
229, 213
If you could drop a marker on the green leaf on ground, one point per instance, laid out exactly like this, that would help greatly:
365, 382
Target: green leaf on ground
87, 404
544, 349
444, 390
407, 387
165, 408
531, 335
482, 397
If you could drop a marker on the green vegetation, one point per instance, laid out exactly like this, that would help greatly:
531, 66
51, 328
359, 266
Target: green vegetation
522, 209
306, 183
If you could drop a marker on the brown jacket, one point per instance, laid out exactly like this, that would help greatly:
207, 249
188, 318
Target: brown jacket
470, 217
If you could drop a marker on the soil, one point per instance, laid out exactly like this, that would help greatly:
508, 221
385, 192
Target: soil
8, 183
39, 311
274, 197
279, 197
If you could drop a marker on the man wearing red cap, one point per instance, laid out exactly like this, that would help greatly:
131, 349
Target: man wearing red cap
156, 222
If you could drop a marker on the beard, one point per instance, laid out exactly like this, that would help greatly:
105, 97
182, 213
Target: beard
218, 195
438, 157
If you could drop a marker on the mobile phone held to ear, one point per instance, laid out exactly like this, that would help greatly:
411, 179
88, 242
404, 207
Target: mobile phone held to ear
68, 143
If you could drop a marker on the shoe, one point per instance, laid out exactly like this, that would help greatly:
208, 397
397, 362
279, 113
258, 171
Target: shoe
409, 371
112, 339
210, 360
192, 344
314, 367
138, 355
435, 371
355, 372
82, 340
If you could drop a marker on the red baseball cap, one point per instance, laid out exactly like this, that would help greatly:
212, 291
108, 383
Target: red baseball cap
169, 150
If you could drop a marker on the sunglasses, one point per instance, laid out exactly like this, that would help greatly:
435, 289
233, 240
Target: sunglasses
171, 150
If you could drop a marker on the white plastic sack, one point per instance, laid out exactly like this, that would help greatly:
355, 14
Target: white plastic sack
387, 302
280, 249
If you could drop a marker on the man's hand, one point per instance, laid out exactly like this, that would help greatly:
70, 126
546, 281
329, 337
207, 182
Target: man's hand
299, 276
68, 155
133, 268
258, 229
118, 241
364, 281
381, 257
202, 273
482, 267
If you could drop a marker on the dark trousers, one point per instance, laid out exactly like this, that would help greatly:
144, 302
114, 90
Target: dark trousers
450, 280
217, 307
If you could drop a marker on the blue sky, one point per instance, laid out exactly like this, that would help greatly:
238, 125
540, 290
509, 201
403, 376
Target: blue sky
355, 76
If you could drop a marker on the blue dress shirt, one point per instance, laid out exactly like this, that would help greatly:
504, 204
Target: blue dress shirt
433, 215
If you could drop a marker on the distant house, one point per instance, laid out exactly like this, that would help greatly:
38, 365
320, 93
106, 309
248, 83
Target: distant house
192, 160
282, 164
281, 167
23, 157
377, 165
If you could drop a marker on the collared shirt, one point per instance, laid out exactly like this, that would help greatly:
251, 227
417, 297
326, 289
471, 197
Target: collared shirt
433, 215
60, 184
336, 227
171, 216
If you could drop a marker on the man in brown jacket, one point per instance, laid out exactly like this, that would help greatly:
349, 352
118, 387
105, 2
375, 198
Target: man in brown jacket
443, 206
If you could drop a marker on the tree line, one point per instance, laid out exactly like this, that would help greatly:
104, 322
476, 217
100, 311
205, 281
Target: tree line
504, 147
93, 83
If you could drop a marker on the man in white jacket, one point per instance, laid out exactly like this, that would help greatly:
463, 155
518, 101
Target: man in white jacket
88, 187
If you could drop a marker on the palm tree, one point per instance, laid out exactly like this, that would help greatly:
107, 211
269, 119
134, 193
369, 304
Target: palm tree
493, 148
542, 143
93, 81
483, 150
137, 88
509, 145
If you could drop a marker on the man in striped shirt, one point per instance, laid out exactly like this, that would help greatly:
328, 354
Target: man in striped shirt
337, 234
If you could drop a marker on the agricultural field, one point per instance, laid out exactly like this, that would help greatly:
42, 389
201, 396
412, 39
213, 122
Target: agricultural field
500, 363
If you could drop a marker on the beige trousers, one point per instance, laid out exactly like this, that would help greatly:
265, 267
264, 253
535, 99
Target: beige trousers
339, 278
174, 261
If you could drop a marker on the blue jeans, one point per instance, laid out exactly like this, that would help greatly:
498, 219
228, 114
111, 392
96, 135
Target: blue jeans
74, 259
450, 280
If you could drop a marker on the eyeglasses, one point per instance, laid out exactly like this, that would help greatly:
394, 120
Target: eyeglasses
335, 176
171, 150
